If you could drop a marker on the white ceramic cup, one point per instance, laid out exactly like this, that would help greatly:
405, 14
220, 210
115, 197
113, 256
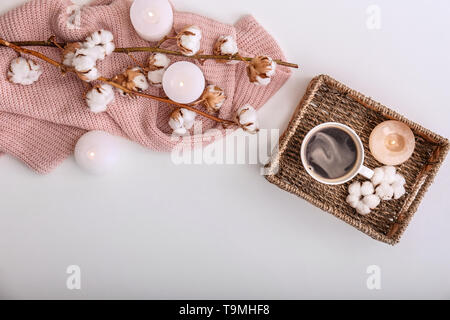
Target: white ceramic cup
358, 168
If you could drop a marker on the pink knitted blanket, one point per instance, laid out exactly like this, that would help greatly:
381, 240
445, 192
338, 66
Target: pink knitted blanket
41, 123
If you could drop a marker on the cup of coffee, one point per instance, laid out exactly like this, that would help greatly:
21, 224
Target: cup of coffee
332, 153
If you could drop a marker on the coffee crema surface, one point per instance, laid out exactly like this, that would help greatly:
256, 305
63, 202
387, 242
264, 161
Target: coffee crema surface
331, 153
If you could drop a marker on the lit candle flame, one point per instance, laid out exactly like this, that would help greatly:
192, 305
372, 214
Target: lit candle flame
181, 84
91, 154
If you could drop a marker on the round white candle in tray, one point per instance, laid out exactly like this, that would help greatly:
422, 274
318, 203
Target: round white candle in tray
152, 19
183, 82
96, 152
392, 143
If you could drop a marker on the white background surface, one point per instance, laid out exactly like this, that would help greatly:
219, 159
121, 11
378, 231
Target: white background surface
159, 231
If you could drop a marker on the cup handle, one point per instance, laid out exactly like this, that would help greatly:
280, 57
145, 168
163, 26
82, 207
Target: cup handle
366, 172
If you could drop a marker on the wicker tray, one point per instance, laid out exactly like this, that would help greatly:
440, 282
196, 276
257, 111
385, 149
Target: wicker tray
327, 100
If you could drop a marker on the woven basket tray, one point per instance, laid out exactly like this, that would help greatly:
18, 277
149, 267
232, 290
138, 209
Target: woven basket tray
327, 100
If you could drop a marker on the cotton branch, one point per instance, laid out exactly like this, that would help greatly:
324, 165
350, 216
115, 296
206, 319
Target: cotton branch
155, 49
18, 47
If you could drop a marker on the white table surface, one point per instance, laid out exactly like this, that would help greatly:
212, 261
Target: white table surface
154, 230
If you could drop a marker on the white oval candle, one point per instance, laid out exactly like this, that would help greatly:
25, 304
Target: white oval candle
392, 143
152, 19
96, 152
183, 82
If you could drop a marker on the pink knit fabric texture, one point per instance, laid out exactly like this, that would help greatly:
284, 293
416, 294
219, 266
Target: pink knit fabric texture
41, 123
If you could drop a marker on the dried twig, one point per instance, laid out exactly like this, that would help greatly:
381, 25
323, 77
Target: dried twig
155, 49
65, 69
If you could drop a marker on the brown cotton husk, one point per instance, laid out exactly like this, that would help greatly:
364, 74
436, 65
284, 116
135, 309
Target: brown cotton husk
213, 97
259, 67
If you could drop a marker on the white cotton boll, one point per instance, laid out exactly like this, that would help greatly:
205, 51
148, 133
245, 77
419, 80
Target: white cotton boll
273, 69
355, 189
83, 63
229, 45
68, 59
23, 71
103, 40
399, 190
100, 37
156, 77
99, 97
385, 191
96, 53
188, 118
367, 188
362, 208
262, 81
372, 201
226, 46
399, 179
160, 60
389, 174
248, 118
93, 40
261, 70
378, 176
180, 131
106, 36
181, 121
89, 76
353, 200
176, 123
140, 81
189, 40
109, 48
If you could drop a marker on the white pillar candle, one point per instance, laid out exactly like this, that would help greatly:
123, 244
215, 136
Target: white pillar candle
183, 82
96, 152
152, 19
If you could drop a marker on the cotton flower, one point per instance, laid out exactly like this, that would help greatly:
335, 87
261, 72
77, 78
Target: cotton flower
261, 69
182, 120
247, 118
90, 75
133, 79
24, 71
189, 40
367, 188
83, 62
390, 183
372, 201
158, 61
69, 53
157, 66
226, 46
362, 208
361, 197
399, 189
378, 175
99, 97
96, 53
136, 79
385, 191
83, 56
389, 174
102, 39
213, 98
